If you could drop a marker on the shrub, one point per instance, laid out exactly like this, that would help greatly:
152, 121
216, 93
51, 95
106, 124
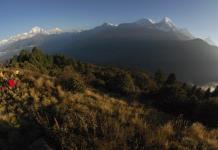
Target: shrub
171, 79
72, 84
159, 77
121, 83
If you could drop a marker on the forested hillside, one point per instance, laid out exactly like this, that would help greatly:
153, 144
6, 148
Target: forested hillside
61, 103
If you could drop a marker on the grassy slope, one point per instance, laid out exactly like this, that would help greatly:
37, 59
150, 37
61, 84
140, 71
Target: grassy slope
40, 114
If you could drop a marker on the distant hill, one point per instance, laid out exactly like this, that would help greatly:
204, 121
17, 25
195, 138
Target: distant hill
143, 44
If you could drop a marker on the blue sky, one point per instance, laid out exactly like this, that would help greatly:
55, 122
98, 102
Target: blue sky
17, 16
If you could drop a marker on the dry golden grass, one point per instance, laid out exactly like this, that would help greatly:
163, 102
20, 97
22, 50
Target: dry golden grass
93, 120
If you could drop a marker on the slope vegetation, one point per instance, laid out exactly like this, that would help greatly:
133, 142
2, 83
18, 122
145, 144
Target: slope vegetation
60, 103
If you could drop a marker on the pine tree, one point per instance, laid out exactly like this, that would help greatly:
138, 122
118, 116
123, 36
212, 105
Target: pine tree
207, 94
159, 77
171, 79
215, 92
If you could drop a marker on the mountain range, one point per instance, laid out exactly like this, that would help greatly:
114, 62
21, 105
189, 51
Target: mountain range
143, 44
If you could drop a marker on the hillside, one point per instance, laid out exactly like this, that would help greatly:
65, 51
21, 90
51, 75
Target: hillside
60, 103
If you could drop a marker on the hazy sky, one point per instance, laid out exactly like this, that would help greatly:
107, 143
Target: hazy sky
17, 16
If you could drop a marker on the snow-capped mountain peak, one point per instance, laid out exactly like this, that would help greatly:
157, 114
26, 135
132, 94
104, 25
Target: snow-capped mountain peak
107, 24
33, 32
151, 21
167, 21
55, 31
166, 24
145, 21
37, 30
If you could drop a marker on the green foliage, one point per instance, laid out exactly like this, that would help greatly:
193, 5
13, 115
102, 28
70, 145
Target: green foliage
171, 79
72, 84
61, 61
215, 92
70, 80
143, 82
37, 60
159, 77
122, 83
64, 104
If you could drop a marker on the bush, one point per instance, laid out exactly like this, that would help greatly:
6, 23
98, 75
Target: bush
121, 83
159, 77
70, 80
98, 83
72, 84
171, 79
143, 82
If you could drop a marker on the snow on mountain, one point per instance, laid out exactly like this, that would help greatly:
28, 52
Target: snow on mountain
168, 22
37, 30
145, 21
109, 24
55, 31
186, 32
166, 25
209, 41
33, 32
104, 26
